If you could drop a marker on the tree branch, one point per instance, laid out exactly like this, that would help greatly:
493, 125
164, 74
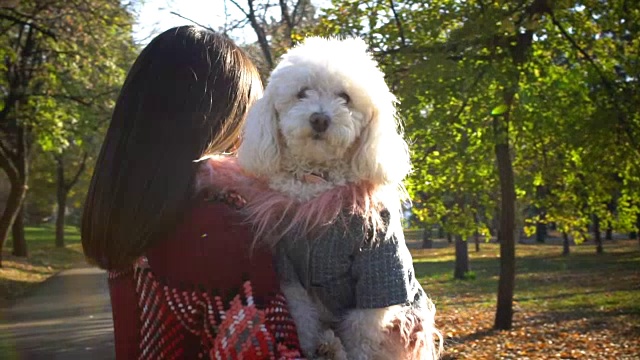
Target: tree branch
284, 10
607, 83
465, 102
237, 24
190, 20
6, 162
76, 98
29, 22
295, 12
584, 53
259, 31
74, 179
59, 170
262, 37
398, 23
287, 19
240, 8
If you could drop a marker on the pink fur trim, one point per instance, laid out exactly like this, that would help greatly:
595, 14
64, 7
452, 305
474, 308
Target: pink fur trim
275, 214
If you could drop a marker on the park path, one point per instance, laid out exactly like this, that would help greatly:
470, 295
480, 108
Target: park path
67, 317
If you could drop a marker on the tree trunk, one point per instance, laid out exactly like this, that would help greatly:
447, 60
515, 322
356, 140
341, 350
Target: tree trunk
611, 207
61, 197
462, 258
541, 225
60, 217
62, 192
449, 238
427, 242
476, 234
14, 202
541, 231
506, 283
638, 227
17, 232
597, 235
565, 244
496, 221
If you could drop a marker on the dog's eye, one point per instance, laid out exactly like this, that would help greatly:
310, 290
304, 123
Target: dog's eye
345, 96
302, 93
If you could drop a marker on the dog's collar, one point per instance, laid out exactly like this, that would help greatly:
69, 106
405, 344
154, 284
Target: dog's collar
313, 178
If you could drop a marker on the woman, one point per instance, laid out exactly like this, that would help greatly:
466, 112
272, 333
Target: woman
177, 258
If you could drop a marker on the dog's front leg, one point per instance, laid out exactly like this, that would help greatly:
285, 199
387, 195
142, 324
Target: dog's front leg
365, 334
306, 316
331, 347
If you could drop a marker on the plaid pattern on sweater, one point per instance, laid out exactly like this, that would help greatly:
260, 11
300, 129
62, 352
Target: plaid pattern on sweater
238, 330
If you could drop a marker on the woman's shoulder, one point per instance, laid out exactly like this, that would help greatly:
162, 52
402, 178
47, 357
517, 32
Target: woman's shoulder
214, 210
208, 226
212, 239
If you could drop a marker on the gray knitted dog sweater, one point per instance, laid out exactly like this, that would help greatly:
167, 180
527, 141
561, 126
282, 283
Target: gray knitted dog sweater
343, 268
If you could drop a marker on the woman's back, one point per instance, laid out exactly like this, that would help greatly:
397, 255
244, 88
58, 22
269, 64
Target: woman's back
179, 293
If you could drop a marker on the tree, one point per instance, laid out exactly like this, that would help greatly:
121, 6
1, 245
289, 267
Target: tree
565, 244
462, 258
54, 52
23, 60
276, 25
64, 185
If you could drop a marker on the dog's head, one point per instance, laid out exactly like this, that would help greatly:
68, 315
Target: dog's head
327, 101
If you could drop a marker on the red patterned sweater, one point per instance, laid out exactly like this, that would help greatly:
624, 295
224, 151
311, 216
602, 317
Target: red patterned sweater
202, 293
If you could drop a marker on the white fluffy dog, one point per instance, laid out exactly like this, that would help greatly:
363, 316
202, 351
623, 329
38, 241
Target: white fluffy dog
327, 121
327, 111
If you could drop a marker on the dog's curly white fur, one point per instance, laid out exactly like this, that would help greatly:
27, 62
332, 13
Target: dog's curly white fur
363, 142
356, 137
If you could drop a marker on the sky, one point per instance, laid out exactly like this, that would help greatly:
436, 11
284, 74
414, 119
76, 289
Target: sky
154, 16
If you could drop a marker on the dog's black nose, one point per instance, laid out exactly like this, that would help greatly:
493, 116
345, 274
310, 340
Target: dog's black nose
319, 122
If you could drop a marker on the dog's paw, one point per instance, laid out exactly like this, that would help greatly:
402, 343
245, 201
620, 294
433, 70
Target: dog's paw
330, 347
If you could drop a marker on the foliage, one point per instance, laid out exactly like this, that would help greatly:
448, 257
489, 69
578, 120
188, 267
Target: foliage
60, 82
449, 63
595, 317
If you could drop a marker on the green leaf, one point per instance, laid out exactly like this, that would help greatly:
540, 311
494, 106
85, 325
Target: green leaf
499, 110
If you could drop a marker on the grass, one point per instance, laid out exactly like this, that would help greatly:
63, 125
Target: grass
18, 275
584, 306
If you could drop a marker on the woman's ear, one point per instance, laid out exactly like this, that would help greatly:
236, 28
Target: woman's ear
259, 152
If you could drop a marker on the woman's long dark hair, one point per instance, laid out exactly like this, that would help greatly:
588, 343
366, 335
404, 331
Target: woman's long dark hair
185, 96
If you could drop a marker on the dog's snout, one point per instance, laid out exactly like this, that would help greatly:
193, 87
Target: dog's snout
319, 122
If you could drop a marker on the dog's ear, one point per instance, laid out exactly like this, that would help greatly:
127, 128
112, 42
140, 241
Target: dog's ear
259, 152
382, 156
